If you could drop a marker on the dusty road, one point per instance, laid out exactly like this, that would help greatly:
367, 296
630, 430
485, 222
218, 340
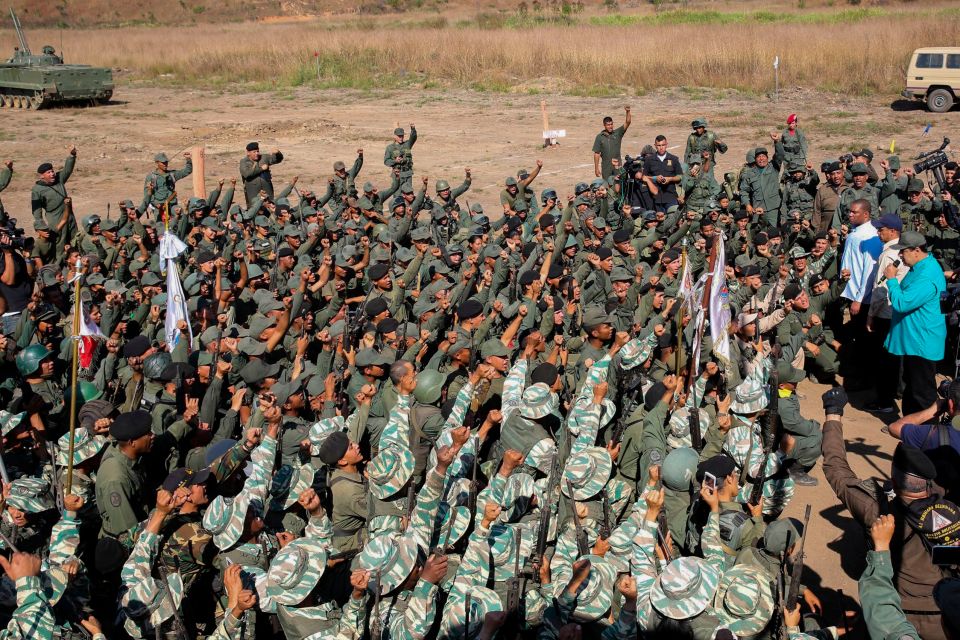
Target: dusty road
495, 135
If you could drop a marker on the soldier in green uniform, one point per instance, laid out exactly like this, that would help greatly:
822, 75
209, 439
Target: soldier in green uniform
800, 189
760, 187
704, 144
606, 146
255, 172
49, 200
160, 185
860, 189
399, 155
792, 142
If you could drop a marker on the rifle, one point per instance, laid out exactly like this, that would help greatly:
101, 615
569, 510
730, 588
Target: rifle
468, 605
583, 547
605, 525
165, 587
662, 531
411, 500
472, 496
768, 434
796, 567
546, 510
181, 392
376, 629
513, 586
57, 487
629, 389
693, 417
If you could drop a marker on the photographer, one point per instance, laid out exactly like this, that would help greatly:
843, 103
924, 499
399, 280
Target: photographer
15, 284
636, 187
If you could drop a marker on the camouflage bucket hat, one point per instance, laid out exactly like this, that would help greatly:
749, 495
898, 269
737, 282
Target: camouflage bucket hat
587, 473
516, 497
738, 443
31, 495
390, 471
224, 519
538, 401
393, 559
678, 428
451, 532
147, 606
295, 571
482, 602
596, 596
502, 540
685, 588
320, 430
302, 480
85, 447
744, 602
10, 421
748, 397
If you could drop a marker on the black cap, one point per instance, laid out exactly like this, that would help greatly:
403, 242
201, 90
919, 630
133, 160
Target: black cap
253, 146
653, 395
720, 466
751, 270
671, 254
387, 325
375, 307
285, 252
816, 279
545, 373
334, 448
914, 462
527, 278
791, 291
470, 309
378, 271
603, 253
621, 235
556, 271
43, 168
136, 347
131, 425
185, 477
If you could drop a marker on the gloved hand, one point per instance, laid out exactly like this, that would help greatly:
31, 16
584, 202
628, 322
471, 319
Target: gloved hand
834, 401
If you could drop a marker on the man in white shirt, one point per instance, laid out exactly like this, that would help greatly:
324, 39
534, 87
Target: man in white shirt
860, 253
886, 366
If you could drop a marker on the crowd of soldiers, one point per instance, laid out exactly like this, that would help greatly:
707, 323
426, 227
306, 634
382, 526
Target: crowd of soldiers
388, 413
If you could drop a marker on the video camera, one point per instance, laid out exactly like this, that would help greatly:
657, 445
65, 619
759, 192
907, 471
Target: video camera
15, 235
933, 162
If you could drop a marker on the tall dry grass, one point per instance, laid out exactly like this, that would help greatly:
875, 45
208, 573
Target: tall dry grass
858, 55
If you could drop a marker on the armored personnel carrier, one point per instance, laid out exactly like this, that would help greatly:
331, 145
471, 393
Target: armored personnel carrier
30, 81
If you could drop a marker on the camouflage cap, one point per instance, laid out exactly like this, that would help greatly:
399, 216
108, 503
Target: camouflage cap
748, 397
502, 540
678, 427
390, 471
451, 532
31, 495
225, 518
685, 588
516, 497
596, 594
301, 481
586, 473
482, 602
10, 421
85, 447
744, 601
391, 559
321, 429
538, 401
679, 468
295, 571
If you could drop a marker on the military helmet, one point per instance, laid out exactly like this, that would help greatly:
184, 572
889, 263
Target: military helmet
28, 360
429, 385
442, 185
154, 365
49, 50
86, 391
378, 228
679, 468
90, 221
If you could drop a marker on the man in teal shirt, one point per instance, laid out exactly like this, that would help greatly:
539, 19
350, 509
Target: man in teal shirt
918, 330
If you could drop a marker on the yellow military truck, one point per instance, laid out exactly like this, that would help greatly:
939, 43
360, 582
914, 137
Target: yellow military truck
934, 77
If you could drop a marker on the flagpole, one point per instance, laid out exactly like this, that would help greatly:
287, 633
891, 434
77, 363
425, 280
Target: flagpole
682, 303
75, 356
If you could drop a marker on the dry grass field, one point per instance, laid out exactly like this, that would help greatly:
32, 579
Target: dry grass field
548, 46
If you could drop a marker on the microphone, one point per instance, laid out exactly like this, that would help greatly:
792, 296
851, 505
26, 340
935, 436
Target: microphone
883, 279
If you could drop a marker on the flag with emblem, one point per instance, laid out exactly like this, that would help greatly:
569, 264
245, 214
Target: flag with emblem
170, 247
719, 307
88, 334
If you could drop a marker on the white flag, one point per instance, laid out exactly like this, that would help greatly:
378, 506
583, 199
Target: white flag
719, 307
170, 247
685, 292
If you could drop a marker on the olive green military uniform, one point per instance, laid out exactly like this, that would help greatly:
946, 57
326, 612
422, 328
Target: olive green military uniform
47, 202
164, 184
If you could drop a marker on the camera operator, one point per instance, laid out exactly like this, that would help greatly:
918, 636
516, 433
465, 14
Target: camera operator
636, 187
15, 284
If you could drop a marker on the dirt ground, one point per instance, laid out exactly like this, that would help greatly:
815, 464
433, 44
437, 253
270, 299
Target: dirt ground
495, 135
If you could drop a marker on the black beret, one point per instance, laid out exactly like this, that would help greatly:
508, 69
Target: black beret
131, 425
527, 278
136, 347
556, 271
378, 270
514, 222
470, 309
375, 307
665, 340
43, 168
621, 235
205, 256
830, 167
334, 448
720, 466
751, 270
387, 325
914, 461
545, 373
671, 255
253, 146
528, 248
653, 395
547, 221
284, 252
791, 291
760, 239
742, 214
603, 253
170, 372
773, 232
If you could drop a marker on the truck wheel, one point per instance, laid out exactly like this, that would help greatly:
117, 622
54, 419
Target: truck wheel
939, 100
